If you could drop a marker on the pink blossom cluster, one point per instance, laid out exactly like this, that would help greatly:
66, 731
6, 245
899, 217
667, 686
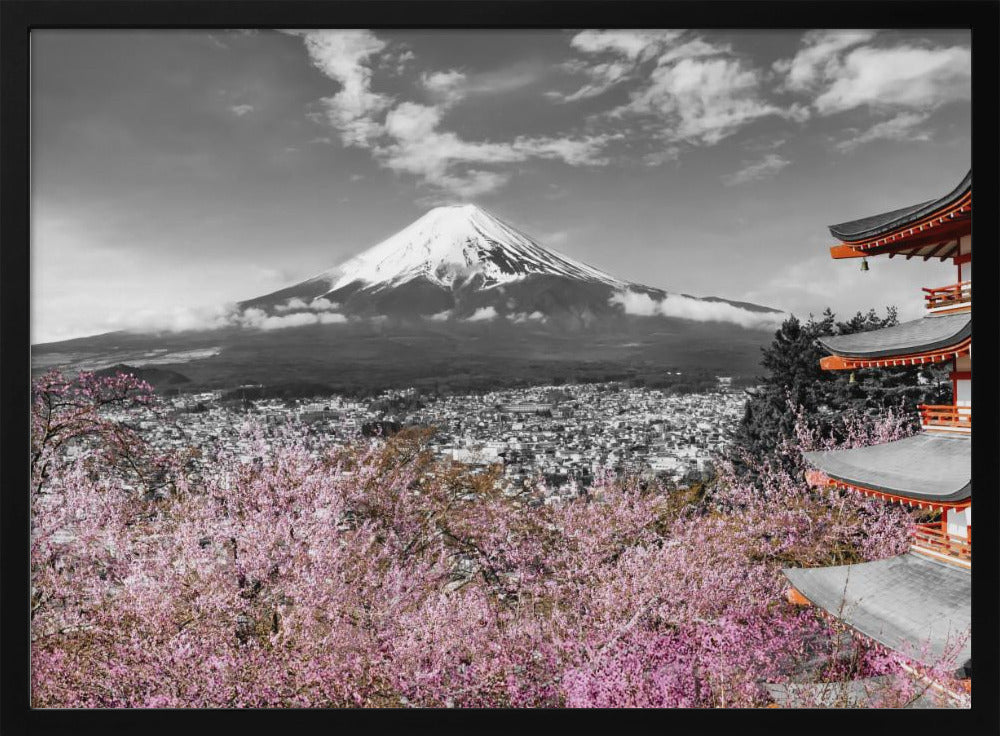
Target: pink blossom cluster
381, 577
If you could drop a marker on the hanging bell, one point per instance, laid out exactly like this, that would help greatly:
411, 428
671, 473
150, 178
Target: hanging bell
851, 379
864, 264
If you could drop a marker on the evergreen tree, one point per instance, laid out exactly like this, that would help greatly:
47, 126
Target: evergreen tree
794, 379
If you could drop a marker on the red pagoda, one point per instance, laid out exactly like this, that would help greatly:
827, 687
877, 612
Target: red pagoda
918, 603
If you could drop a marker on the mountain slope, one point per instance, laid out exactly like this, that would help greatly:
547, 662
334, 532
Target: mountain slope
455, 262
450, 246
456, 259
458, 295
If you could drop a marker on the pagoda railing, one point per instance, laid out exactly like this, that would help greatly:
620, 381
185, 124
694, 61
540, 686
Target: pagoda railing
946, 417
930, 539
953, 295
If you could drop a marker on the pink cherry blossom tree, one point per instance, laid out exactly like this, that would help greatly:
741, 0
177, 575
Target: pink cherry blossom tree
380, 576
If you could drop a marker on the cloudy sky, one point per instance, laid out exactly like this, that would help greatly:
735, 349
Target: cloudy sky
177, 171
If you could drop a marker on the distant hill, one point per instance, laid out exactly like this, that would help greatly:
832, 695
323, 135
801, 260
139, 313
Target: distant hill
155, 377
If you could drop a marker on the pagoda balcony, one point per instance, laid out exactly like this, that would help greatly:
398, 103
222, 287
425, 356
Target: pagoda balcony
951, 298
945, 418
932, 541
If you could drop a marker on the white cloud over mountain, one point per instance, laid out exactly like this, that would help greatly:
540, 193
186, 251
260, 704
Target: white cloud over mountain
677, 305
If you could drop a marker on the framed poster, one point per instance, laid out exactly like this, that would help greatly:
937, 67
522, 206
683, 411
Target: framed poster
442, 357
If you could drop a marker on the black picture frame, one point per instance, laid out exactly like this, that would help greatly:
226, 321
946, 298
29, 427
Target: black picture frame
19, 17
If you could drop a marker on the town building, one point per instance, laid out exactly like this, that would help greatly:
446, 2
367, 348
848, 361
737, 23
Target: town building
918, 603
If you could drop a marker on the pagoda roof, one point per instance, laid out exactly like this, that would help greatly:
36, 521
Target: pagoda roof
911, 604
929, 228
936, 468
886, 222
933, 333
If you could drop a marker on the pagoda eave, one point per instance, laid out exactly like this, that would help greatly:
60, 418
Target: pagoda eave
911, 604
941, 242
840, 363
927, 219
927, 469
820, 479
931, 339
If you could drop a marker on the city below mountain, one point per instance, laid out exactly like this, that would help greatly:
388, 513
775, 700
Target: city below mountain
458, 296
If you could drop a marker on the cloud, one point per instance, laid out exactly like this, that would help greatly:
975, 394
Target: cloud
765, 168
293, 303
291, 320
446, 161
904, 76
241, 110
626, 49
182, 319
817, 59
696, 92
409, 138
702, 101
440, 316
637, 303
692, 49
322, 305
675, 305
525, 317
843, 70
344, 56
603, 77
445, 88
902, 127
661, 156
585, 151
176, 319
482, 314
632, 44
396, 60
254, 318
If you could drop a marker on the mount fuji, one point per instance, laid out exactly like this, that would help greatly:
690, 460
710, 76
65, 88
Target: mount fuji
457, 298
458, 261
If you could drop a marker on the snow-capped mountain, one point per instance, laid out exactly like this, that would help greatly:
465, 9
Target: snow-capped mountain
459, 258
459, 261
451, 245
458, 296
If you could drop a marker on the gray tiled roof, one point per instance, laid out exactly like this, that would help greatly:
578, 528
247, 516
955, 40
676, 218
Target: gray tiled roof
910, 603
873, 225
933, 332
928, 467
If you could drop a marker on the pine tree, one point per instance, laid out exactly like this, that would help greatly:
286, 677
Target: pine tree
794, 379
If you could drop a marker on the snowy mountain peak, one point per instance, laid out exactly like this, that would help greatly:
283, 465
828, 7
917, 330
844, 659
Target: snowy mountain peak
452, 244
